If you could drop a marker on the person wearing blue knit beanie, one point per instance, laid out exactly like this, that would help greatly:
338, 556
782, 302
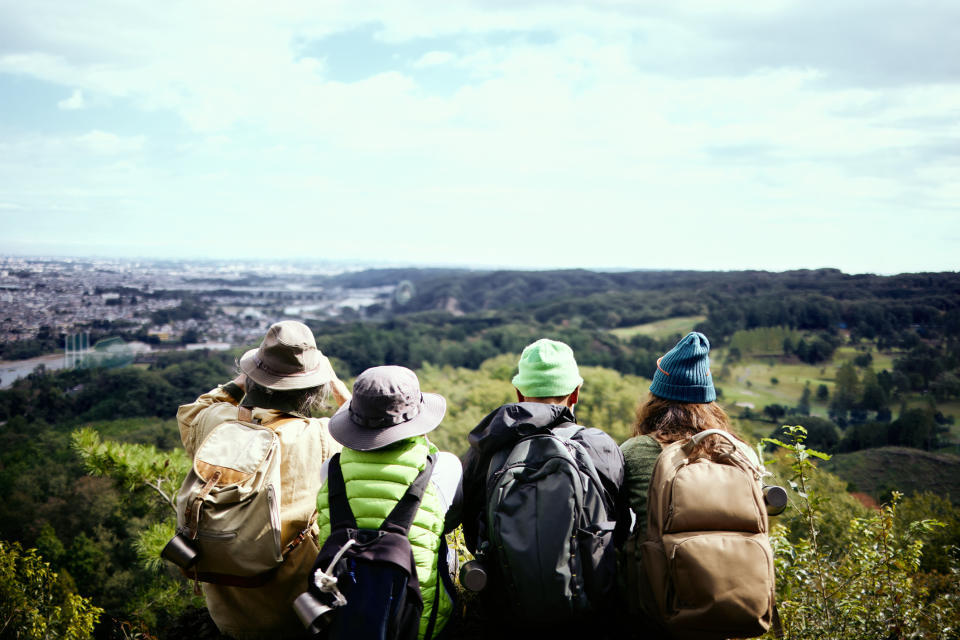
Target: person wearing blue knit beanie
682, 402
683, 373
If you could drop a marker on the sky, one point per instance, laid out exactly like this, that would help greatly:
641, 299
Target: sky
608, 135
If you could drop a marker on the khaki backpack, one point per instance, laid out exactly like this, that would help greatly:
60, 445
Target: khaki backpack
229, 505
705, 569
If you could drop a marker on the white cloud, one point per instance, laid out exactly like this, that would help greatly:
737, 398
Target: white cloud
74, 102
106, 143
433, 59
617, 120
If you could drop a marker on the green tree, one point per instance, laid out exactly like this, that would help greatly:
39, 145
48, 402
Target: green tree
873, 397
774, 411
803, 406
140, 469
945, 387
846, 391
942, 543
36, 604
823, 393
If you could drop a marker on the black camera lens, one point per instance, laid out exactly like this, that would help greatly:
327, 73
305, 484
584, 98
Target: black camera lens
473, 576
181, 551
312, 612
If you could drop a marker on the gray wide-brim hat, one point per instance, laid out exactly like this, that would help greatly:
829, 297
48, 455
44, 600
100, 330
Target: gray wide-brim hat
387, 406
287, 358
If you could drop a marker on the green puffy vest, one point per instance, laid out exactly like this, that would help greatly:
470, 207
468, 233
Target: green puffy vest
375, 481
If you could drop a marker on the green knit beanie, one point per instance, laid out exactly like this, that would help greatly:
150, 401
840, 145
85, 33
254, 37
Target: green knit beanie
547, 370
683, 373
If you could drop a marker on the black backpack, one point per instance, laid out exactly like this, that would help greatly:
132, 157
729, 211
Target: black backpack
549, 528
375, 570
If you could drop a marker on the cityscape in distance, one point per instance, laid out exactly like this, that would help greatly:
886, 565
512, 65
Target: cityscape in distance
52, 305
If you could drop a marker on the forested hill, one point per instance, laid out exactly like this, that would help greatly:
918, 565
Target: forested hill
803, 299
868, 365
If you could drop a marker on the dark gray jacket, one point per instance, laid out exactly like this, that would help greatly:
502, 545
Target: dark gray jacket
511, 422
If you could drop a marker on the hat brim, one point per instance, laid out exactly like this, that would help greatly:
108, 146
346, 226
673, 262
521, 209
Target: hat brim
321, 374
350, 434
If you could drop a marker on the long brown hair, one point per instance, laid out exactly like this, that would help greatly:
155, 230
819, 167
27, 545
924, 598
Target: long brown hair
669, 420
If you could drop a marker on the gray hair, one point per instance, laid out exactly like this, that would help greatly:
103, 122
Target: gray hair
302, 401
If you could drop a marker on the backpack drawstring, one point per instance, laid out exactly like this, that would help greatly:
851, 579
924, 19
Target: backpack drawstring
327, 583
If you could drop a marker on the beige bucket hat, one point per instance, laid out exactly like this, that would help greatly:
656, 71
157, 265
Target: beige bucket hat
287, 358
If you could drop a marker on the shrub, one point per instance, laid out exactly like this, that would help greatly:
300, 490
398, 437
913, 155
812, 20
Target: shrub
871, 587
35, 603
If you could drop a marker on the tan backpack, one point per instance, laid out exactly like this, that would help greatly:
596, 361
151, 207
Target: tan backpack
705, 569
228, 506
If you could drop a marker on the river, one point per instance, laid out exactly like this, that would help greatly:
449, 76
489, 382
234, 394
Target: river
13, 370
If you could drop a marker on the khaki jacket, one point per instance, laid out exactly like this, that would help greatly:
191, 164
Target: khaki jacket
266, 612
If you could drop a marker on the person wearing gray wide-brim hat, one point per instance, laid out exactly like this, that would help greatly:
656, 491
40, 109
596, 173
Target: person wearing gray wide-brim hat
383, 430
387, 406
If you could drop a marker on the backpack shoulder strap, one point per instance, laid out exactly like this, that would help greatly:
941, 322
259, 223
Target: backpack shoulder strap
403, 514
341, 516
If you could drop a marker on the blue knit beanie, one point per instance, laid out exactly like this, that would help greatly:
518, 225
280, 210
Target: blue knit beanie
683, 373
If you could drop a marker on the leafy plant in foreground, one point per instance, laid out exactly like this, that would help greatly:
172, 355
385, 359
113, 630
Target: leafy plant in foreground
144, 468
872, 586
35, 603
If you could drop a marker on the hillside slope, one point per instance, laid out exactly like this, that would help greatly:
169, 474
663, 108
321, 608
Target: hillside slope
877, 471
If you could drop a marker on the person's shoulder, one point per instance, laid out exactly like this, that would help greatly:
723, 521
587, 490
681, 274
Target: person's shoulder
749, 452
448, 461
597, 438
600, 444
217, 413
641, 444
593, 433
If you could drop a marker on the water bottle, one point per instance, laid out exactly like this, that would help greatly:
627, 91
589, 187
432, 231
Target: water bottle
473, 576
775, 498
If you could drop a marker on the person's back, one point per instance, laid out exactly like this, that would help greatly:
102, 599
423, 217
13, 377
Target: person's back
537, 485
281, 380
689, 510
383, 432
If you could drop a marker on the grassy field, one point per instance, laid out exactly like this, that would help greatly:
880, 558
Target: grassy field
881, 360
660, 328
878, 471
748, 384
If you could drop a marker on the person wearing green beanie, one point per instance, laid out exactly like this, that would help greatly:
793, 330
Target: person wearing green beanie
547, 387
548, 370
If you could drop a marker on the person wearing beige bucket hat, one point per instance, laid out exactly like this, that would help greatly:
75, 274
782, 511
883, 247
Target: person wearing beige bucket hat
279, 384
383, 430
